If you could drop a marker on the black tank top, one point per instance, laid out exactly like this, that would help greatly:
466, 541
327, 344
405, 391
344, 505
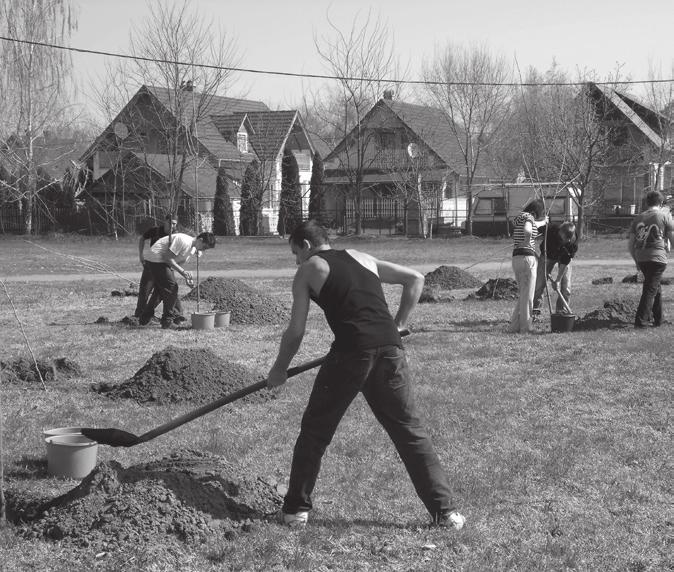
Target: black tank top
354, 305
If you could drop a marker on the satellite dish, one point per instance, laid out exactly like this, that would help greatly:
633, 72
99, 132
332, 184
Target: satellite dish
413, 150
121, 130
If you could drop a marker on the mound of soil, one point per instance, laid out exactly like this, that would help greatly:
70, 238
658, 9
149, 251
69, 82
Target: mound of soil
614, 314
245, 304
599, 281
132, 290
449, 277
175, 375
497, 289
431, 295
24, 370
188, 495
639, 279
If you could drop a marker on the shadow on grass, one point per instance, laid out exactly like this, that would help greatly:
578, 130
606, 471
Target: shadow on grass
28, 468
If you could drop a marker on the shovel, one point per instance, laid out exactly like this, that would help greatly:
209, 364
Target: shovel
120, 438
562, 299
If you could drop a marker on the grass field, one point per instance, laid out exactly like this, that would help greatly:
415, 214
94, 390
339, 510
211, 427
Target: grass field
558, 446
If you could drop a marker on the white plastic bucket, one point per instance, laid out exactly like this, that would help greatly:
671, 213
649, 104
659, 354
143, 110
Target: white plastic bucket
203, 320
71, 456
221, 319
46, 433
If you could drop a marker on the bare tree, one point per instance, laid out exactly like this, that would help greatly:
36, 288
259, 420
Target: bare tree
660, 97
169, 45
362, 57
35, 81
469, 85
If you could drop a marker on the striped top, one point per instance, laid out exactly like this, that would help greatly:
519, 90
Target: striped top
522, 246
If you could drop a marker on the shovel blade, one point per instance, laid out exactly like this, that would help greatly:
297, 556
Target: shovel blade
112, 437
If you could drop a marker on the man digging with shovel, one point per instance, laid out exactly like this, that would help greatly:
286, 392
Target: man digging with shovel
366, 357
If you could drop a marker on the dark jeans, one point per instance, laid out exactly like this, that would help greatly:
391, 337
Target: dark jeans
650, 305
382, 375
166, 286
149, 297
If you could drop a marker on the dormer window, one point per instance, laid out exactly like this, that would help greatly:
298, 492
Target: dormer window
242, 142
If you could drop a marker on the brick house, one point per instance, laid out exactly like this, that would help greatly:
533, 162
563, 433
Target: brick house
165, 149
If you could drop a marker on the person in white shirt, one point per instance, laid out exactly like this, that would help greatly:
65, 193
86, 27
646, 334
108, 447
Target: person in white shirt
167, 256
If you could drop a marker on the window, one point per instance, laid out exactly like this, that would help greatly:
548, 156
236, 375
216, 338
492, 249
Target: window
483, 207
386, 139
242, 142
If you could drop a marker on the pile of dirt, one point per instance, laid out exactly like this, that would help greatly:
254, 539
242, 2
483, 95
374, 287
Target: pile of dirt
600, 281
132, 290
175, 375
497, 289
614, 314
639, 279
451, 277
245, 304
188, 495
25, 370
432, 295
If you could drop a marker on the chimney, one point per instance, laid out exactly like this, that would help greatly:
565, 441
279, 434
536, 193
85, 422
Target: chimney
388, 94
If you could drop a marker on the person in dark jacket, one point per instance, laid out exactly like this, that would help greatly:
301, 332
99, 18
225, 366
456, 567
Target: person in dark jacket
559, 246
366, 357
146, 293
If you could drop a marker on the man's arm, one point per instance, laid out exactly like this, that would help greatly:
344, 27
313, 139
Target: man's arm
412, 283
294, 333
630, 244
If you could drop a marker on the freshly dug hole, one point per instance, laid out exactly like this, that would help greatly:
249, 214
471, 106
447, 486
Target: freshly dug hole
23, 370
188, 495
175, 375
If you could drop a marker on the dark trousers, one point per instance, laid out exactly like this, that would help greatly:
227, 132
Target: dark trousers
650, 305
382, 375
166, 286
149, 297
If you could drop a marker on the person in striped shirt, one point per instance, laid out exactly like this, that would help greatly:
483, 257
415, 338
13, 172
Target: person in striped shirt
525, 263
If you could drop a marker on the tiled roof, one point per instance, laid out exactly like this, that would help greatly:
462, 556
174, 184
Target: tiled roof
205, 174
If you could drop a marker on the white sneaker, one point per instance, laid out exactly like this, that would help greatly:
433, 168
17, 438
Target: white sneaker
453, 520
297, 520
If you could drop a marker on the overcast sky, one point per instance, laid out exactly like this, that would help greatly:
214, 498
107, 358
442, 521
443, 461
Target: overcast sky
279, 35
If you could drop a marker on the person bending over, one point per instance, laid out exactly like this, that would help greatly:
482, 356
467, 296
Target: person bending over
166, 257
366, 357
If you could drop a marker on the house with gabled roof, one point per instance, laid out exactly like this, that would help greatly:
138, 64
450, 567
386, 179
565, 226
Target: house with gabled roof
165, 150
411, 169
642, 156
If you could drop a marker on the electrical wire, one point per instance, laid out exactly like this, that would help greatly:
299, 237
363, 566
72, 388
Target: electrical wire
326, 76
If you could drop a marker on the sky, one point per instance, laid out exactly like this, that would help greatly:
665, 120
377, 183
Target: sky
277, 35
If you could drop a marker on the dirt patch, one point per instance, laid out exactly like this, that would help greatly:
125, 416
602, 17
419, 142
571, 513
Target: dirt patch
600, 281
175, 375
433, 295
449, 277
245, 304
614, 314
25, 370
132, 290
188, 495
639, 279
497, 289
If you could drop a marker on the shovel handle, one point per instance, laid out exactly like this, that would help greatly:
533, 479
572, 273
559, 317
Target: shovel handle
208, 407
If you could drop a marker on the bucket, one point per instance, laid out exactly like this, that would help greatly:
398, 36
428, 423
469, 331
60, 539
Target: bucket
221, 319
203, 320
71, 456
46, 433
562, 322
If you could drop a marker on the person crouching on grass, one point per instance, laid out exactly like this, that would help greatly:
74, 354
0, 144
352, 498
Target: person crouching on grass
163, 260
366, 357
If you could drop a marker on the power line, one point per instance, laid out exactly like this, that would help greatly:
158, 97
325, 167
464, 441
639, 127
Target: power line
325, 76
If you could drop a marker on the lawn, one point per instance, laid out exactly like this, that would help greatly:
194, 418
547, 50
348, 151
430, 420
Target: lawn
558, 446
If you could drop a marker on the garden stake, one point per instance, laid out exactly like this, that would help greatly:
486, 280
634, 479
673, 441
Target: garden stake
120, 438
